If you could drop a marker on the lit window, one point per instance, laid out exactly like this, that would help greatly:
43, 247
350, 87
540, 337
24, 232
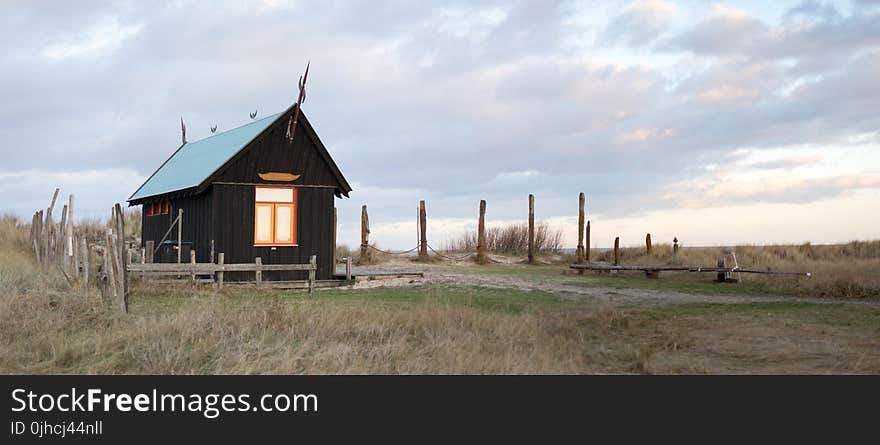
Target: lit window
275, 216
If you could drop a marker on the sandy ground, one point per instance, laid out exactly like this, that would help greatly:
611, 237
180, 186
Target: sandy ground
442, 274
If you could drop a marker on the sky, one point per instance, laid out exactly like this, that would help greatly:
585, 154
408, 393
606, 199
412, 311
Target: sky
719, 123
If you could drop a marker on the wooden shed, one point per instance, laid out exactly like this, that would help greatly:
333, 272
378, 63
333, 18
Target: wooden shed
249, 193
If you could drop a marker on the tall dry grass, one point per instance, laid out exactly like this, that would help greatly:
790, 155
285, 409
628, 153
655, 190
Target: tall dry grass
510, 239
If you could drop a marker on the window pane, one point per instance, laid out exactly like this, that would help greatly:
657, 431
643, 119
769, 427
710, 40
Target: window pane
264, 224
274, 195
283, 221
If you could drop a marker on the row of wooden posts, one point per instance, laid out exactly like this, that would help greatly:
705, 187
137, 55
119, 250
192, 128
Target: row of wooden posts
59, 245
582, 251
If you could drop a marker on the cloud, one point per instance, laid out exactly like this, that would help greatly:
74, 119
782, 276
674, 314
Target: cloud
639, 24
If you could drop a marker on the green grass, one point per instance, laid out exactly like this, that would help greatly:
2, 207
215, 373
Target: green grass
509, 301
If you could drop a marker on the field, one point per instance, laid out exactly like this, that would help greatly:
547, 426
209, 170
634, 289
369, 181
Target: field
463, 318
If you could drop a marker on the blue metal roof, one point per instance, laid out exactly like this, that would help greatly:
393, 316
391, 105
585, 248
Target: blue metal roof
196, 161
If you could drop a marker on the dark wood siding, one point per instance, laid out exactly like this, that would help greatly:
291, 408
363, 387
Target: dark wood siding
234, 213
197, 224
272, 153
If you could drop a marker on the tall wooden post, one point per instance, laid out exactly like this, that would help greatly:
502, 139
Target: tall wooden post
580, 246
212, 251
220, 273
123, 253
69, 244
62, 235
423, 228
481, 234
675, 246
365, 234
649, 249
617, 251
587, 247
84, 261
313, 267
531, 228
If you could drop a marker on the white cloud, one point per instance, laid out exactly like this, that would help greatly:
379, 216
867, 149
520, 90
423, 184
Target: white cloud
102, 37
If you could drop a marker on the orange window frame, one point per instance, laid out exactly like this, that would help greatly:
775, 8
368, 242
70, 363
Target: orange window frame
274, 219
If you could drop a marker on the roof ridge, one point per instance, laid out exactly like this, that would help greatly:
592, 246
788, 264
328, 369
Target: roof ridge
236, 128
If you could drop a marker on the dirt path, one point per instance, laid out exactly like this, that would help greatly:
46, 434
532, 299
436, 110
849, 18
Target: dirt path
614, 295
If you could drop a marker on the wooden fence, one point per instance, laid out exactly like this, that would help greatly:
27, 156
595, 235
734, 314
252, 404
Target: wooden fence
217, 270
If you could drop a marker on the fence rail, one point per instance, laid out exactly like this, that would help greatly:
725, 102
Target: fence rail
192, 269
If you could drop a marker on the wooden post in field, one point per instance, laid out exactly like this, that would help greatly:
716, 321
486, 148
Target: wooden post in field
150, 248
334, 240
192, 263
258, 276
348, 268
617, 251
481, 234
220, 261
112, 263
47, 229
580, 246
62, 257
531, 228
649, 249
69, 242
675, 246
212, 252
365, 234
313, 266
587, 246
123, 256
423, 229
179, 233
84, 261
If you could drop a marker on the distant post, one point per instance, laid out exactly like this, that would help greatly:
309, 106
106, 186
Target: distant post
481, 234
365, 233
587, 247
617, 251
649, 249
580, 246
423, 228
531, 228
675, 246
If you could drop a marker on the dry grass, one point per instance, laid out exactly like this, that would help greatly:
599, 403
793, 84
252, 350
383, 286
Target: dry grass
46, 327
510, 239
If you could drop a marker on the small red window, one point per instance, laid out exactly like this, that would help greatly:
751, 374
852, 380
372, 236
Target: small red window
166, 208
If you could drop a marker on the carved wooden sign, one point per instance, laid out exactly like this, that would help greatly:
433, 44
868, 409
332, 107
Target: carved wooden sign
277, 176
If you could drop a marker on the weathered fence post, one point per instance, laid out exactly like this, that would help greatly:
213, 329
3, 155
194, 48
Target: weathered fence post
531, 228
212, 251
348, 268
617, 251
220, 272
123, 258
365, 234
192, 264
580, 246
62, 235
481, 234
649, 249
675, 246
587, 245
313, 266
423, 228
259, 273
151, 249
84, 261
69, 244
